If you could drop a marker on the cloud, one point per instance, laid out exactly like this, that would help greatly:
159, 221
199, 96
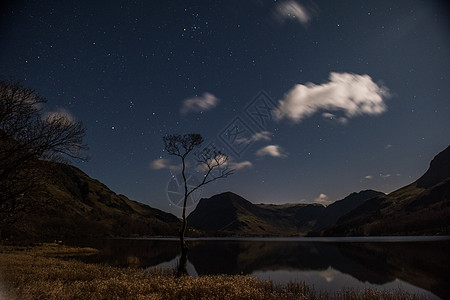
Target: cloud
259, 136
60, 114
198, 104
368, 177
272, 150
291, 10
240, 165
224, 161
352, 94
322, 199
163, 163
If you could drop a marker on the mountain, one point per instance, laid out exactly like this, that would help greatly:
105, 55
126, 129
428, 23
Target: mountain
71, 204
230, 214
422, 207
339, 208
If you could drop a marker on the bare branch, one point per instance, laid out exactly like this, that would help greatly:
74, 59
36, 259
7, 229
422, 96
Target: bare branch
26, 136
182, 145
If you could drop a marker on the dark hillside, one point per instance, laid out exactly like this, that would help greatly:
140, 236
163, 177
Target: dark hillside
71, 204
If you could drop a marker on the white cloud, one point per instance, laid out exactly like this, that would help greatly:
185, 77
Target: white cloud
259, 136
291, 10
224, 161
60, 114
240, 165
163, 163
272, 150
198, 104
352, 94
322, 199
368, 177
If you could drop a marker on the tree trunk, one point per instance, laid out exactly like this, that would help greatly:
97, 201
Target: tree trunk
182, 266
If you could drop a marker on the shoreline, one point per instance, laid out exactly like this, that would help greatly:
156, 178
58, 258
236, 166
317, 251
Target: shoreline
47, 271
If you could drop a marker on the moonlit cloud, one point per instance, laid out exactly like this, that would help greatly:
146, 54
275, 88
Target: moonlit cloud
240, 165
271, 150
163, 163
322, 199
352, 94
291, 10
368, 177
60, 114
198, 104
224, 161
259, 136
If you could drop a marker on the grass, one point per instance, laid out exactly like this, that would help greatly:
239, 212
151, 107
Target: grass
47, 272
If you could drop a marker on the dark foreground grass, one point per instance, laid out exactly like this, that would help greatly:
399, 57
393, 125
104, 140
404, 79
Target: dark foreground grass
45, 272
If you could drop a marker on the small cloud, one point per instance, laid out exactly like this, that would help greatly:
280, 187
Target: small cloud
352, 94
385, 175
388, 146
292, 11
368, 177
163, 163
216, 162
199, 104
240, 165
272, 150
259, 136
60, 115
330, 274
224, 161
322, 199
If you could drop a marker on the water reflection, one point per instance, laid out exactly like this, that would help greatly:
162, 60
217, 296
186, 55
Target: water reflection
327, 265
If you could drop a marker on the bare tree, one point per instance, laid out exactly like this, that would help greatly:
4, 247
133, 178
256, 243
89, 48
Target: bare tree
28, 136
212, 161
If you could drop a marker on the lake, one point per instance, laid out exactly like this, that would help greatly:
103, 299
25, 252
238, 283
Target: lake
415, 264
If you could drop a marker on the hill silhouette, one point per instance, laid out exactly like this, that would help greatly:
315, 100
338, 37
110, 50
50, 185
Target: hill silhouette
230, 214
71, 204
422, 207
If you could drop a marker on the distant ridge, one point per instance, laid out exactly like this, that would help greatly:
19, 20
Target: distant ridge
334, 211
230, 214
73, 205
421, 208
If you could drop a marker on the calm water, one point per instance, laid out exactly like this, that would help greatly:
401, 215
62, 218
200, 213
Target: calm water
416, 264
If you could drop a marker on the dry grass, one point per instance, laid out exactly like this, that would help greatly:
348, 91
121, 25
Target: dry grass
45, 272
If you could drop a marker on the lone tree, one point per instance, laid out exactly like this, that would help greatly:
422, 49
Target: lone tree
28, 135
212, 161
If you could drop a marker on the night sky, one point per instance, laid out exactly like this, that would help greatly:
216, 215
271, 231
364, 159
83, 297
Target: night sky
312, 100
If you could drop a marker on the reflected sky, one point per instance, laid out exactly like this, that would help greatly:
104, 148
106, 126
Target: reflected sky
413, 266
332, 280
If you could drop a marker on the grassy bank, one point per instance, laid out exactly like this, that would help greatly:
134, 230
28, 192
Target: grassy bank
47, 272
